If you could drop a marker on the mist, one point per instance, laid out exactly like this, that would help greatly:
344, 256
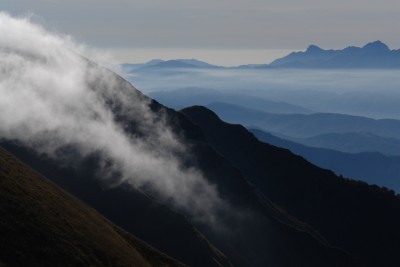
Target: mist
51, 98
371, 93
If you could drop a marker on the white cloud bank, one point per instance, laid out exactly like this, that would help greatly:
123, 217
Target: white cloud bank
50, 98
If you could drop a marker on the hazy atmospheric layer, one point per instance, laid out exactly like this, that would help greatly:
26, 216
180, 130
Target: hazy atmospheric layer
372, 93
51, 98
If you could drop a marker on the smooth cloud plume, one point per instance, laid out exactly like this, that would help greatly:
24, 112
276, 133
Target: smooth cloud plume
52, 98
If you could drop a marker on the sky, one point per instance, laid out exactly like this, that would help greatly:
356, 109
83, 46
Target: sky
223, 32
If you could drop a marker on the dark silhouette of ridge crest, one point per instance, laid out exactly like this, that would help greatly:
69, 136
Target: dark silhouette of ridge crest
256, 239
351, 215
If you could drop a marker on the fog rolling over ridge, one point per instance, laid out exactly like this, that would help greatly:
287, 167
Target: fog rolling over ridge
51, 98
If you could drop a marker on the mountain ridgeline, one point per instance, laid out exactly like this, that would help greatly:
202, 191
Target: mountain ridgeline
306, 125
350, 215
373, 55
252, 231
181, 98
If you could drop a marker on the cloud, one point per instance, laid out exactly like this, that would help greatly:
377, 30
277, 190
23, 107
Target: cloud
51, 98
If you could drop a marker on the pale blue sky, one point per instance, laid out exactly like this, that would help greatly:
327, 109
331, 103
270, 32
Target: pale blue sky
233, 31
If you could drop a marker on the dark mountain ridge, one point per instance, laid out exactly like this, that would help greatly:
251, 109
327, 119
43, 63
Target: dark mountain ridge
351, 215
252, 235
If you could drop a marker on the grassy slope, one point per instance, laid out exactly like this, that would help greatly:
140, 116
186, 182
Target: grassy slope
41, 225
128, 208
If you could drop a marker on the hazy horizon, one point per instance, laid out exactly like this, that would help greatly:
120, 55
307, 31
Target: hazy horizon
370, 93
233, 32
220, 57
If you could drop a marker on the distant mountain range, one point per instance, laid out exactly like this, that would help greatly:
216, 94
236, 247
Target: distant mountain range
374, 55
306, 125
168, 64
190, 96
354, 142
372, 167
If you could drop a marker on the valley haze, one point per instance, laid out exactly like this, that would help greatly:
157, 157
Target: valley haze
365, 92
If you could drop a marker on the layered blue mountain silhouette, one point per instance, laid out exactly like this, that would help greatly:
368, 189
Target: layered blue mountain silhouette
353, 142
372, 167
165, 64
189, 96
306, 125
372, 55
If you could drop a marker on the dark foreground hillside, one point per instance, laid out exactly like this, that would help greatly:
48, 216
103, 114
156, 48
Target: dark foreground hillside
260, 237
362, 220
246, 228
40, 225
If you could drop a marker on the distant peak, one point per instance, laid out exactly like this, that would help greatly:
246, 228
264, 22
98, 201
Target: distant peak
376, 46
314, 49
155, 61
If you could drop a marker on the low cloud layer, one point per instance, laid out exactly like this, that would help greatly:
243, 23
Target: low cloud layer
51, 98
372, 93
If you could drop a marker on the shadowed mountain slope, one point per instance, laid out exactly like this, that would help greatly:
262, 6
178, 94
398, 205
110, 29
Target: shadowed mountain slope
361, 219
130, 209
256, 239
251, 231
40, 225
